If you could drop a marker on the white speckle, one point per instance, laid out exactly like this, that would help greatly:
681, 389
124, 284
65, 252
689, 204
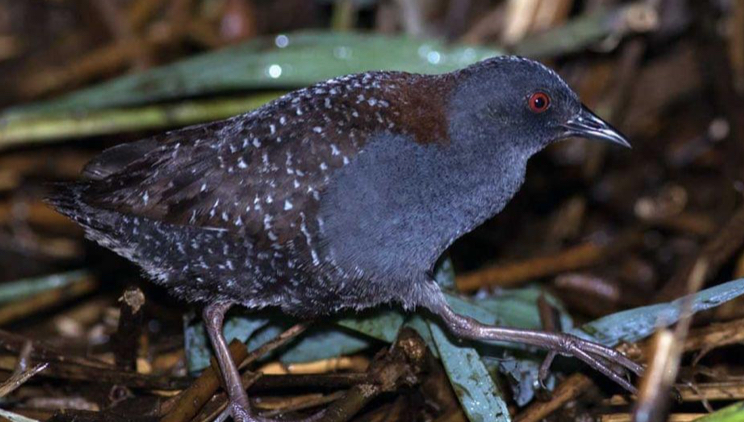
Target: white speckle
334, 150
271, 236
342, 52
272, 128
287, 205
384, 104
242, 164
360, 98
317, 130
281, 41
346, 160
299, 111
224, 216
145, 197
256, 143
328, 103
355, 114
323, 166
239, 221
282, 120
269, 199
372, 101
274, 71
296, 184
203, 187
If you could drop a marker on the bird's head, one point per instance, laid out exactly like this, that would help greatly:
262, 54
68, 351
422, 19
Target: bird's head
517, 100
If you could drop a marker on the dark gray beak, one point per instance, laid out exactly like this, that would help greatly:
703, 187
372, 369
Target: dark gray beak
587, 125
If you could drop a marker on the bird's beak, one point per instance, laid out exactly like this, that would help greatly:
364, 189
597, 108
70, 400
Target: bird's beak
586, 124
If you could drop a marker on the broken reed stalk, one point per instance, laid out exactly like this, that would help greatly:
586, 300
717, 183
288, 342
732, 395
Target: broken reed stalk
661, 373
400, 366
127, 338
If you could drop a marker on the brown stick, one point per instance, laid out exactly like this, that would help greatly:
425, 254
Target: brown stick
126, 339
187, 404
577, 257
400, 366
76, 372
574, 386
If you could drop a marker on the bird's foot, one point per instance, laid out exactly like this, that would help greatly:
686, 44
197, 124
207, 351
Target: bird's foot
611, 363
242, 413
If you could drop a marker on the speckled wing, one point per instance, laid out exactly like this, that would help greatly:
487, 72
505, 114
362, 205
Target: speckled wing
260, 173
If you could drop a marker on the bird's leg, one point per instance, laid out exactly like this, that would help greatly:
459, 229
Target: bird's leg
599, 357
214, 315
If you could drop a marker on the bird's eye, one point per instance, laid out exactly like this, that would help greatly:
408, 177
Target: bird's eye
539, 102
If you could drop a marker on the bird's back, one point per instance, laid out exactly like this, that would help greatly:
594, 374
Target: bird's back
230, 209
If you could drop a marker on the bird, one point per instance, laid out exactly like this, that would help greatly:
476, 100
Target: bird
339, 196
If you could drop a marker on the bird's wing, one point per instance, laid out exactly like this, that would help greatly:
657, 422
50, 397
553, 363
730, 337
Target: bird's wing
258, 173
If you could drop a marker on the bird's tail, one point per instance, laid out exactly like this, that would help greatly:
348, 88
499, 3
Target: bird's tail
170, 254
67, 199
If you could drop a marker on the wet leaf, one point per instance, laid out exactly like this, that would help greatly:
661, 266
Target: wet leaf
281, 62
638, 323
382, 324
480, 397
24, 288
733, 413
197, 346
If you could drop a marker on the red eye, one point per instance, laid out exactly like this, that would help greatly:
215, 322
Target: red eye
539, 102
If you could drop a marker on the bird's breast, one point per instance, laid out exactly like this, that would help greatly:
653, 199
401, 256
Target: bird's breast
400, 204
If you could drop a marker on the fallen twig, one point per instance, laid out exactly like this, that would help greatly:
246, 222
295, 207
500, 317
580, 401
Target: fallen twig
577, 257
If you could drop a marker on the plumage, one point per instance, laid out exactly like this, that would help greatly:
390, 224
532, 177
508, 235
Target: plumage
339, 196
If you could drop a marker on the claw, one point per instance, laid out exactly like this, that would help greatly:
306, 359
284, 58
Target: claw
241, 413
545, 369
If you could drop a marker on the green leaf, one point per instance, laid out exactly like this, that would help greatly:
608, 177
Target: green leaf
638, 323
261, 64
324, 343
480, 397
24, 288
197, 346
58, 125
732, 413
382, 324
256, 329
